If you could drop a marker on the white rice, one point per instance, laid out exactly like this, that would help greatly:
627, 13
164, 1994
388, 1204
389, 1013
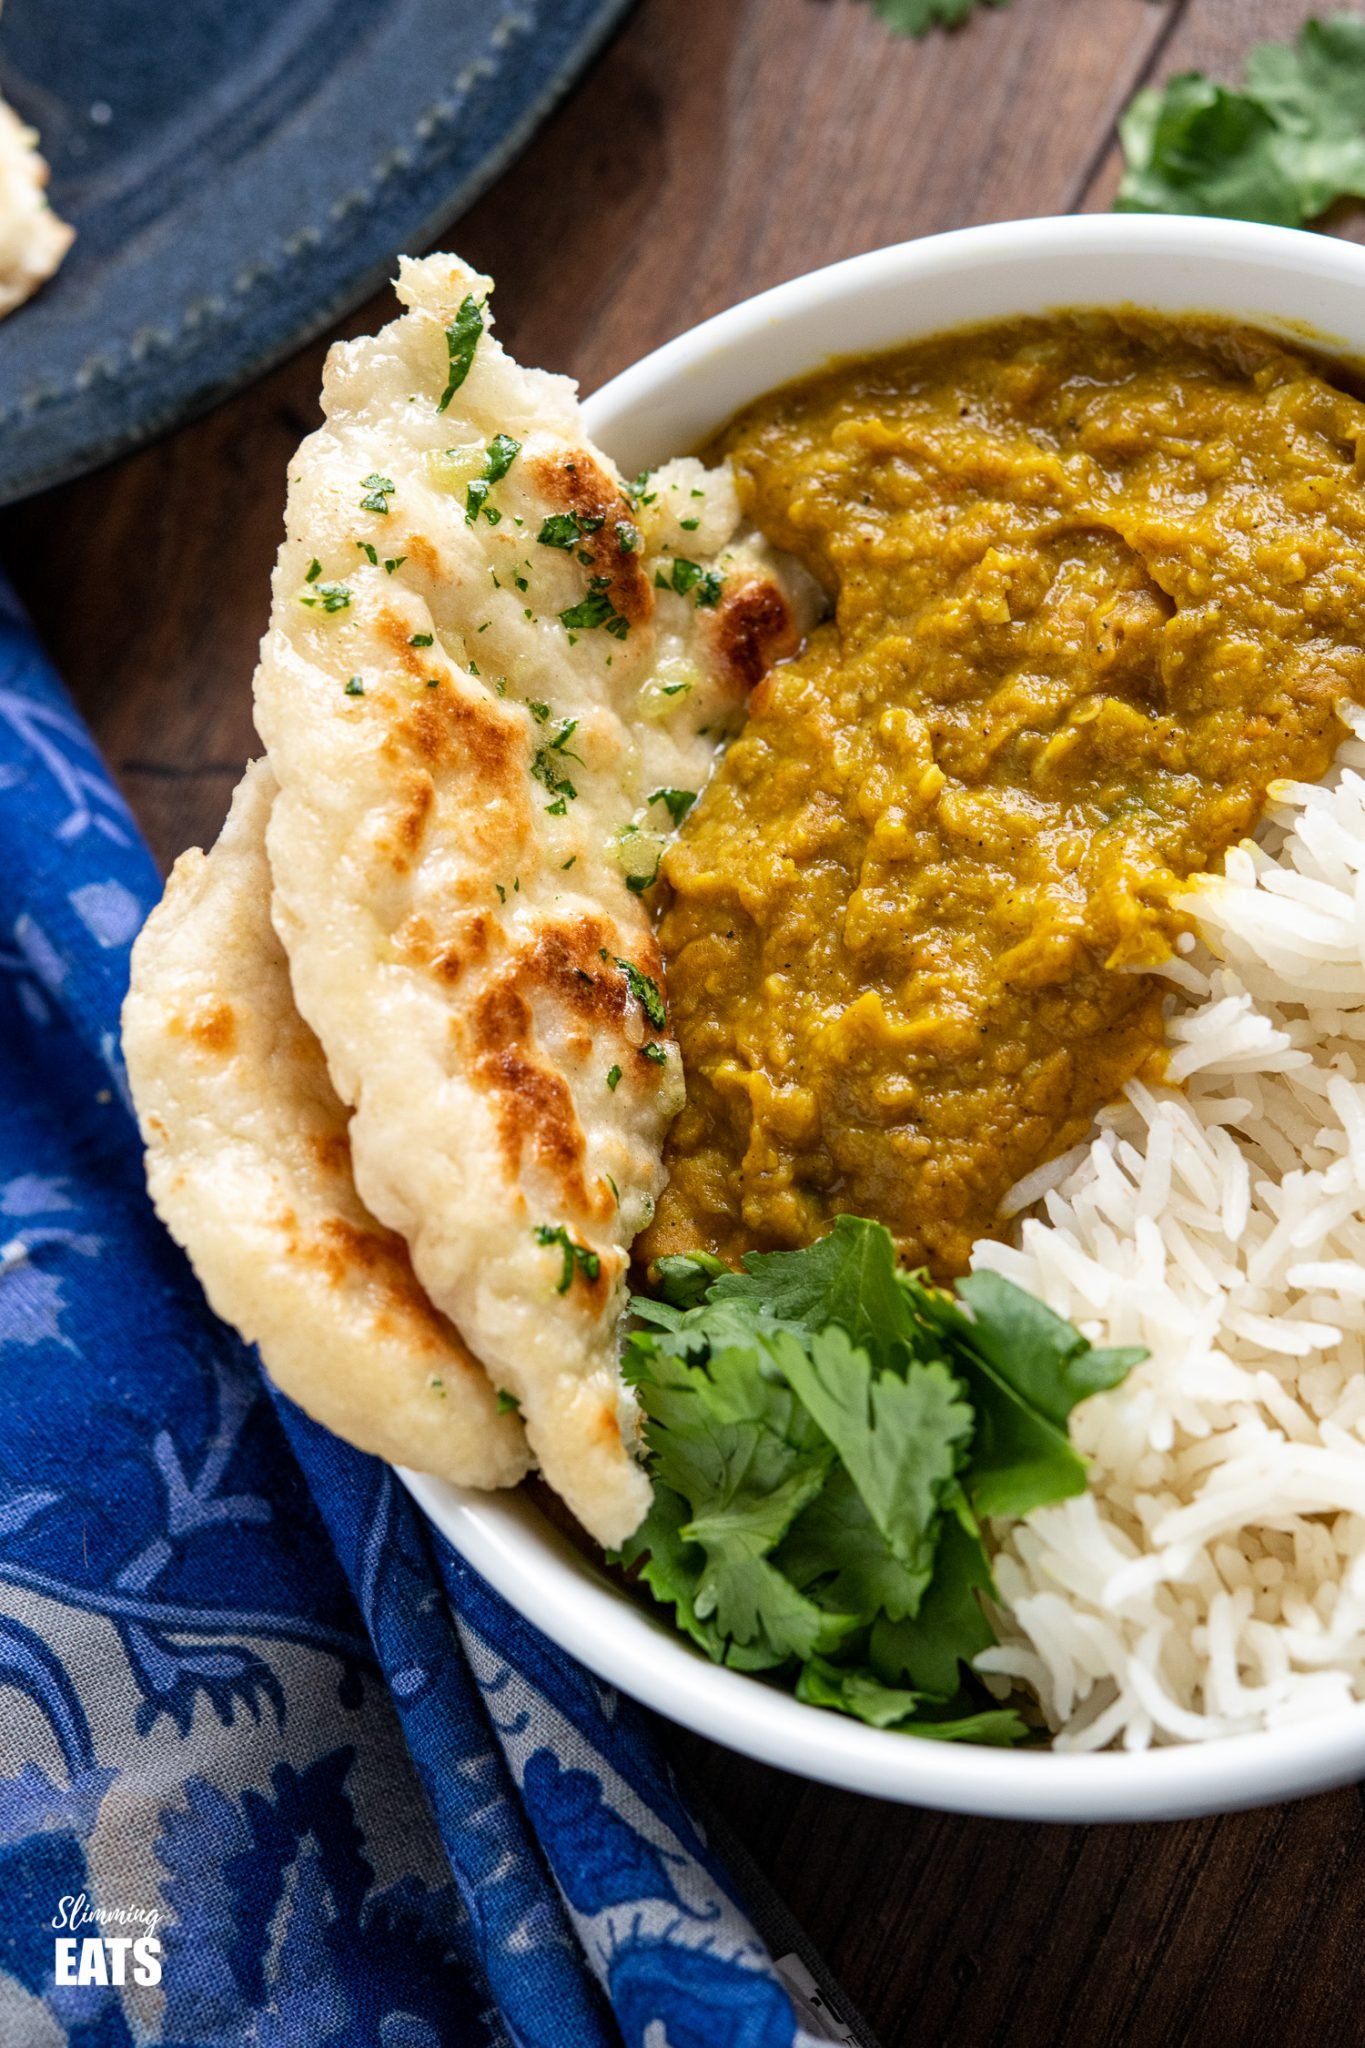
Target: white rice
1212, 1580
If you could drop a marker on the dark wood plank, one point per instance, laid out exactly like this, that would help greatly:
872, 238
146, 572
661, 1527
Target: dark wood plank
719, 146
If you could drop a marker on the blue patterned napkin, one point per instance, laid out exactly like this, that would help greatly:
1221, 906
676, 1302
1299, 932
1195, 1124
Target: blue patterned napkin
321, 1783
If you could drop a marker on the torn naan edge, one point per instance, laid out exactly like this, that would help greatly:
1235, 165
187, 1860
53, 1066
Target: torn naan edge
249, 1168
33, 240
492, 676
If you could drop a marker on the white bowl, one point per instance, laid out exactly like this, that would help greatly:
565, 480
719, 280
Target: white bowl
1301, 284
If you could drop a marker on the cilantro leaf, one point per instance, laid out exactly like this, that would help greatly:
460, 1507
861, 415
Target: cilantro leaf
835, 1551
925, 1649
1045, 1358
1280, 148
462, 338
677, 802
917, 17
646, 993
731, 1442
900, 1438
859, 1692
847, 1277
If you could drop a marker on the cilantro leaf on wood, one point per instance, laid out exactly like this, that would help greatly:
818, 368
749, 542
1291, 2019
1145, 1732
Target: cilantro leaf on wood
1279, 148
917, 17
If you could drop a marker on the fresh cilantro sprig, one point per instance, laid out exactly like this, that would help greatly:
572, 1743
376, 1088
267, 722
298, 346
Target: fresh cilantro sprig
826, 1434
1281, 148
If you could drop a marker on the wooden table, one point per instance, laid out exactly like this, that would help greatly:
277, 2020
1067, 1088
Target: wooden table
717, 147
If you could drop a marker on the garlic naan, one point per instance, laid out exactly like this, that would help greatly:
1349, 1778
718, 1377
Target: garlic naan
248, 1165
32, 239
493, 676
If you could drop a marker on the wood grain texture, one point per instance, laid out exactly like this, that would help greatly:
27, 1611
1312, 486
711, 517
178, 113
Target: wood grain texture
717, 147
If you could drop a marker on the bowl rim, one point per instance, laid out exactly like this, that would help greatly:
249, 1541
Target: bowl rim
506, 1538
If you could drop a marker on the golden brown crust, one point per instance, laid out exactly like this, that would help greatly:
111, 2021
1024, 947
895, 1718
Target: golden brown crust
578, 484
753, 628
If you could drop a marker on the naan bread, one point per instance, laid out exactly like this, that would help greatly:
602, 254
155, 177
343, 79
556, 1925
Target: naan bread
32, 239
485, 658
249, 1168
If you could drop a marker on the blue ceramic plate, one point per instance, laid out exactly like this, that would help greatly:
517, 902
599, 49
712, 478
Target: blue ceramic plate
239, 175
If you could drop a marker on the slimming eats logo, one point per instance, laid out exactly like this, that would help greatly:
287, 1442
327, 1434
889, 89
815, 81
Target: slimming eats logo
128, 1953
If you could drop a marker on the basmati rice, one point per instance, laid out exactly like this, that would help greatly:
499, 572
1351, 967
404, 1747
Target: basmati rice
1212, 1580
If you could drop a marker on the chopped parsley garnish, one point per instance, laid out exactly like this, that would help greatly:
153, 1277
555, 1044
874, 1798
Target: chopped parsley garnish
421, 640
636, 491
613, 1076
521, 582
689, 577
370, 552
502, 893
313, 571
645, 992
327, 597
675, 689
546, 771
689, 525
560, 742
395, 562
568, 863
566, 529
677, 802
508, 1404
355, 687
540, 712
596, 609
501, 453
462, 338
656, 1053
577, 1257
629, 537
379, 490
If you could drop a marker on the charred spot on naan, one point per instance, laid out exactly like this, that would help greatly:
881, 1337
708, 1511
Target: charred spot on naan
395, 632
466, 940
211, 1024
348, 1254
453, 734
533, 1105
578, 484
750, 630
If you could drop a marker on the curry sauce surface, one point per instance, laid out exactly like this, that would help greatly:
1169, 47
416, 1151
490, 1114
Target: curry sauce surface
1095, 583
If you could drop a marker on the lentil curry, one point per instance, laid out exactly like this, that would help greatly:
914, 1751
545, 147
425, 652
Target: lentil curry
1096, 582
